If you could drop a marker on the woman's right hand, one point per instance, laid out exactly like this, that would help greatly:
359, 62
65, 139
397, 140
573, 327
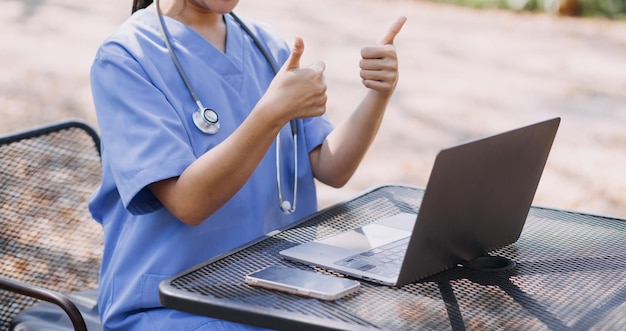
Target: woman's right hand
296, 92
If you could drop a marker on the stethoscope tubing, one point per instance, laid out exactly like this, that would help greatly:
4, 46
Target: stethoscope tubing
179, 67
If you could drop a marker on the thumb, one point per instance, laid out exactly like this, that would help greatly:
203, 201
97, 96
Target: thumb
392, 31
293, 62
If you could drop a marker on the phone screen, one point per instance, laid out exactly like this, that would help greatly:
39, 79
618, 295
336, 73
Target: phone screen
303, 282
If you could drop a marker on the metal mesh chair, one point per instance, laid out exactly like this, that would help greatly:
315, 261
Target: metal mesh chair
49, 243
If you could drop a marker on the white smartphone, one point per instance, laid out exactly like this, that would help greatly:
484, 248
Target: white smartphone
303, 282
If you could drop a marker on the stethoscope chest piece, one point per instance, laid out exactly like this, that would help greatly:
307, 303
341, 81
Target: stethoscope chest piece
206, 120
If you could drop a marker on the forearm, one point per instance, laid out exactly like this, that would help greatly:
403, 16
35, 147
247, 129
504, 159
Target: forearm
337, 159
215, 177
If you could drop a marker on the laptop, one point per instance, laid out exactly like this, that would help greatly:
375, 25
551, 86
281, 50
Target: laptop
476, 200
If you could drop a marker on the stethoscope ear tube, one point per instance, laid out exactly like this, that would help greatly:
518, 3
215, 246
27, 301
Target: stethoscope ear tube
285, 206
199, 114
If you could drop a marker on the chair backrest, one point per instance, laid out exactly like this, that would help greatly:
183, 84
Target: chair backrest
47, 235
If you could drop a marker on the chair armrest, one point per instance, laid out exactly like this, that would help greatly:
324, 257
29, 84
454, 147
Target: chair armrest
46, 295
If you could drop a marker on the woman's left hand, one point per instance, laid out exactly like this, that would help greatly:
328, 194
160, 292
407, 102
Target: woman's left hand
379, 64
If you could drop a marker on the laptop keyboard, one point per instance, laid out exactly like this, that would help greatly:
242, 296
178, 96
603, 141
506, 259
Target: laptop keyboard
384, 260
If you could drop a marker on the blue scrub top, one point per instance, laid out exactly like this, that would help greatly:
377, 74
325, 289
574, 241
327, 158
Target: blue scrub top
144, 115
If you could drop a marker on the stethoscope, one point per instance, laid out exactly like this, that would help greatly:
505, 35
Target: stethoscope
207, 120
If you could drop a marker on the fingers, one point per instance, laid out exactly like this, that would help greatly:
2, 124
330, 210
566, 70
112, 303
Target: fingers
379, 64
318, 66
316, 87
297, 91
392, 31
293, 62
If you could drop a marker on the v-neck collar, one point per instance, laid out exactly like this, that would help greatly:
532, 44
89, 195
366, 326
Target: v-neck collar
228, 64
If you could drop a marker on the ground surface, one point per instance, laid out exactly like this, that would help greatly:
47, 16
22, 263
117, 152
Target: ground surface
464, 74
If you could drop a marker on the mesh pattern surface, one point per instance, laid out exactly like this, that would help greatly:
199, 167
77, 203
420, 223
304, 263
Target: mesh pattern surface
570, 275
47, 236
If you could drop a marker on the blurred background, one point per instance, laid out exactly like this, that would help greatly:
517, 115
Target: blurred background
469, 68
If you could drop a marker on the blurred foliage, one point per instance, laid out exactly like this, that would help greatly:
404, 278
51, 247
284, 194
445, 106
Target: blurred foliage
612, 9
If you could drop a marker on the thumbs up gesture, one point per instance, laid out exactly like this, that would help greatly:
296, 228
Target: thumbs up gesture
379, 63
297, 92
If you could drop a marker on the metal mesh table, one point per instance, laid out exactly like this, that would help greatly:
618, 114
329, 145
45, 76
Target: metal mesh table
570, 274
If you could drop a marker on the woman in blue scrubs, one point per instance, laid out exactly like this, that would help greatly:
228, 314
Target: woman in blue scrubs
173, 196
